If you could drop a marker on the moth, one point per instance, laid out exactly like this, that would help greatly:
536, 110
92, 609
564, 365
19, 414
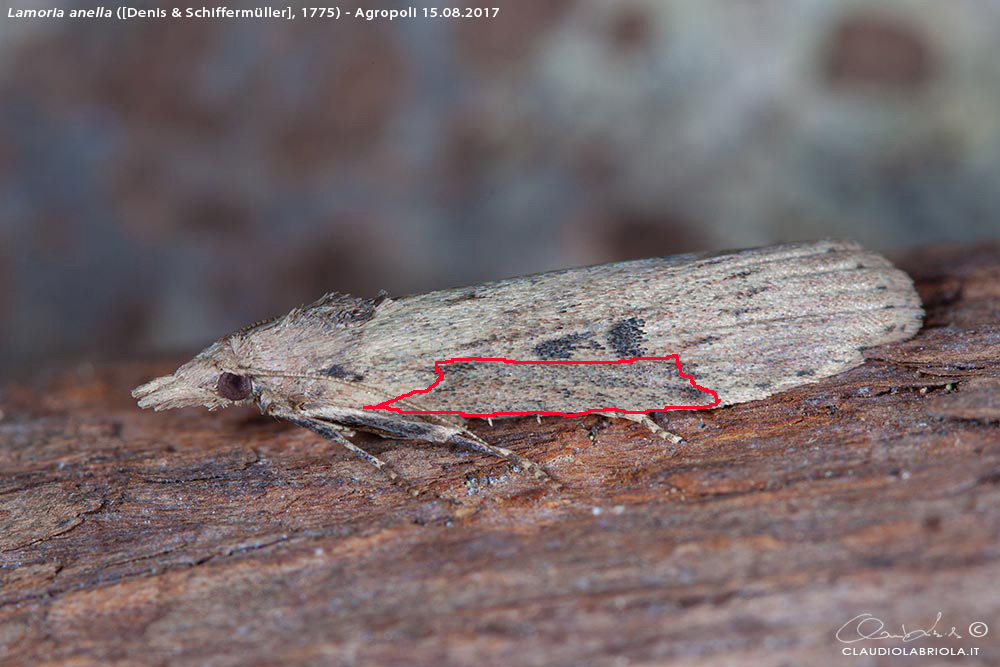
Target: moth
744, 324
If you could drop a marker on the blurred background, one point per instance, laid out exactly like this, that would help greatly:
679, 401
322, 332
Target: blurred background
164, 181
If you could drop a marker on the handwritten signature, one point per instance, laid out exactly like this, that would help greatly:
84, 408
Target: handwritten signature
868, 626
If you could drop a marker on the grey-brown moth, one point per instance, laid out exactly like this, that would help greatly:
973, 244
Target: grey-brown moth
744, 324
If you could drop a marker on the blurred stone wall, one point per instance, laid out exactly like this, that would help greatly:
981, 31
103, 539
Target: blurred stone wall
165, 181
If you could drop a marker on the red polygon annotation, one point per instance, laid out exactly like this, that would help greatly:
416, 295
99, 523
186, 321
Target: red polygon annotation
438, 366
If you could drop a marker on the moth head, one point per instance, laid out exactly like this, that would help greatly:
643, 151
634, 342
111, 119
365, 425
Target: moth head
213, 379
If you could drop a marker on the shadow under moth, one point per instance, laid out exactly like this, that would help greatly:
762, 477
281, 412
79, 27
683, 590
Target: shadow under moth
744, 324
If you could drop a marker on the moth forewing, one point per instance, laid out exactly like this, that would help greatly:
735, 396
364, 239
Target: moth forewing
743, 324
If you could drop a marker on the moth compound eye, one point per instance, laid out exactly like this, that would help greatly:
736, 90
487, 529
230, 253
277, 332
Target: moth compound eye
234, 387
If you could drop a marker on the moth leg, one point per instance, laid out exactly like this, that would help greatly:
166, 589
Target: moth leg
332, 433
428, 428
345, 431
472, 442
655, 428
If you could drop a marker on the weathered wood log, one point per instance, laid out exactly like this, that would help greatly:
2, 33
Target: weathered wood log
187, 537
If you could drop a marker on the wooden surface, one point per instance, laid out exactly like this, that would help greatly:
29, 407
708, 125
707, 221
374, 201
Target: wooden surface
190, 538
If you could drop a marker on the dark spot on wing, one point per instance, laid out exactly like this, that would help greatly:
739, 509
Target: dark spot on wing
763, 385
890, 328
805, 373
706, 340
626, 337
341, 373
564, 346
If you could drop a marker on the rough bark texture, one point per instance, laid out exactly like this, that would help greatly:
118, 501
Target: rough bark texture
186, 537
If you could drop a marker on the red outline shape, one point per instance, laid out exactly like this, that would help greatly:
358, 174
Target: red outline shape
437, 367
